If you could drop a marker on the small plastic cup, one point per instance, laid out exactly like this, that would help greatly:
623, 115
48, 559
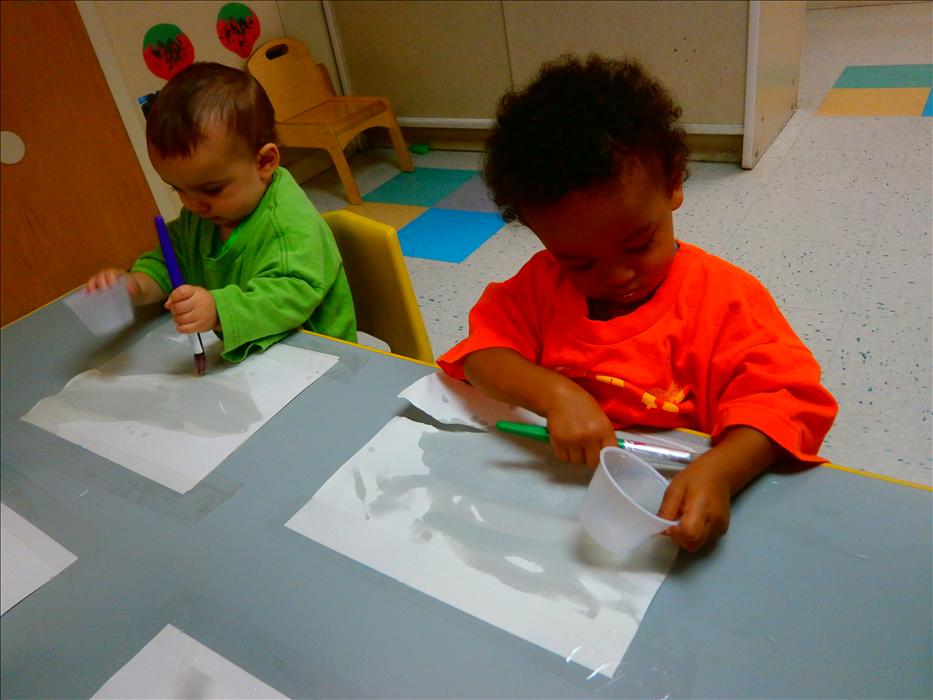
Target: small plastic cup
103, 311
619, 506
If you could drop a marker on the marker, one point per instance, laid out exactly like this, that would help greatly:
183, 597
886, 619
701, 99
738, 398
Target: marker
648, 452
174, 274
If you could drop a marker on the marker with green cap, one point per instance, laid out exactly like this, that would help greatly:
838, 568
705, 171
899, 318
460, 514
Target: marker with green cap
648, 452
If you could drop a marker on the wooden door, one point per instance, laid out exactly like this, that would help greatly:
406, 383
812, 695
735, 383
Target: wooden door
78, 200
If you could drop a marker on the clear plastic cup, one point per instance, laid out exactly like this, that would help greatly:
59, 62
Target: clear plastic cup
619, 506
103, 311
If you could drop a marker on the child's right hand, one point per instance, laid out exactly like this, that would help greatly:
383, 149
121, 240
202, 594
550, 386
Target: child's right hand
579, 428
109, 276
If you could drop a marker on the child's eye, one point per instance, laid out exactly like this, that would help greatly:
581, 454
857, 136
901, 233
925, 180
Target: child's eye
210, 192
643, 247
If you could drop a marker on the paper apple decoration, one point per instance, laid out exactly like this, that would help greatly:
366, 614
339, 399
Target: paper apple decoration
237, 28
167, 50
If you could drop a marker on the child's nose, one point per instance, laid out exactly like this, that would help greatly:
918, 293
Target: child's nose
619, 274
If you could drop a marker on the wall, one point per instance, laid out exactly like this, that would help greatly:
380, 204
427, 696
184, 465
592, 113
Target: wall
696, 49
480, 49
386, 44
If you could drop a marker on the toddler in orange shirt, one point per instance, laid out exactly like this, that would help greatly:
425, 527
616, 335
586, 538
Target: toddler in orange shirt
616, 322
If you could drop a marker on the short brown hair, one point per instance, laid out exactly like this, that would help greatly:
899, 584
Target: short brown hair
204, 92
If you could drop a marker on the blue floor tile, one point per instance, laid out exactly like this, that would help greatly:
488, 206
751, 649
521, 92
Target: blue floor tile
423, 188
448, 235
928, 107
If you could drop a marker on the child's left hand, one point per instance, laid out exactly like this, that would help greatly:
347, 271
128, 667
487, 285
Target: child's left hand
700, 499
193, 309
700, 495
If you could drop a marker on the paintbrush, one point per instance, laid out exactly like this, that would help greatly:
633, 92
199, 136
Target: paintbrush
174, 274
675, 459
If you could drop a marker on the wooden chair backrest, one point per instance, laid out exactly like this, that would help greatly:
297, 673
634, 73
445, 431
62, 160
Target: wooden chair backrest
289, 75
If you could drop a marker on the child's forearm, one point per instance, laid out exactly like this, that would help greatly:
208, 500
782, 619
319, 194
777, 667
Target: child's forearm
148, 290
505, 375
741, 455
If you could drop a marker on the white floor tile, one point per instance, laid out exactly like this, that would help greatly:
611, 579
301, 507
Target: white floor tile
821, 215
803, 274
840, 171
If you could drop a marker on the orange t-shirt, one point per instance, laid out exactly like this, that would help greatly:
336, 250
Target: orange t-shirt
709, 350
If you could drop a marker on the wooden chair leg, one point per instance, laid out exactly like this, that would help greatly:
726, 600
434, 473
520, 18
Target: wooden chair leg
401, 150
346, 175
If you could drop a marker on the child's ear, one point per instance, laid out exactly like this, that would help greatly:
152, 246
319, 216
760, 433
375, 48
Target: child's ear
267, 159
677, 196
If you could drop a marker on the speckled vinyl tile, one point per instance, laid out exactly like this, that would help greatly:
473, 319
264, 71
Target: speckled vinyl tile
504, 254
370, 170
881, 377
894, 277
799, 273
875, 134
822, 215
455, 160
446, 307
427, 274
841, 171
836, 38
819, 330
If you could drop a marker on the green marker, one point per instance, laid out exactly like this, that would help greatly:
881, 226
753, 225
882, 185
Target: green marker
650, 453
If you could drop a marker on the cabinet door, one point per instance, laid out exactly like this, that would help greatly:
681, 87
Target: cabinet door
77, 200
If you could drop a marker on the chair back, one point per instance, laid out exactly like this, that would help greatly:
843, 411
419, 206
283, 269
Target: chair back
385, 302
289, 75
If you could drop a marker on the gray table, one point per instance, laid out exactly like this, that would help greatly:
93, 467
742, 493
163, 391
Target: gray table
821, 589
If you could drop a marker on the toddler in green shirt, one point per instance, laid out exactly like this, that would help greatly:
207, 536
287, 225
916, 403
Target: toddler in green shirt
257, 258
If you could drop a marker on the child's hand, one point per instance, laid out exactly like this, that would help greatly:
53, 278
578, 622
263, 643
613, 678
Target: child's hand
109, 277
193, 309
699, 498
579, 428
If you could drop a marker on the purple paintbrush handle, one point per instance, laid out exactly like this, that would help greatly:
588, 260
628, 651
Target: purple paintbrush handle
171, 262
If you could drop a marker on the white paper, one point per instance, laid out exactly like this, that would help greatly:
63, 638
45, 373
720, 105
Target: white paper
456, 403
173, 665
488, 525
28, 558
146, 410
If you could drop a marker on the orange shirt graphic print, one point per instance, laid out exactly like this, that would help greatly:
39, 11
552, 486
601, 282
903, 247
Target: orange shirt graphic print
665, 399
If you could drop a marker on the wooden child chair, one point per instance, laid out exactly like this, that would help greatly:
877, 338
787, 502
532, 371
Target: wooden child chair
309, 114
385, 302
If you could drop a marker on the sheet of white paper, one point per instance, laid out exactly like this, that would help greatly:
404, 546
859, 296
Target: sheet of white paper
28, 558
488, 525
173, 665
146, 410
456, 403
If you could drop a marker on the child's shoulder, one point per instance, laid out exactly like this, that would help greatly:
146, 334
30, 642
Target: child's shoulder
288, 205
714, 269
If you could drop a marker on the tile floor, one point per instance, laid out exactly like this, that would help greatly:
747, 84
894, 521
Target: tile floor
835, 220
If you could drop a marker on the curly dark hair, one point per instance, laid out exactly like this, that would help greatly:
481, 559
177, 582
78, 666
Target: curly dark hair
201, 93
577, 125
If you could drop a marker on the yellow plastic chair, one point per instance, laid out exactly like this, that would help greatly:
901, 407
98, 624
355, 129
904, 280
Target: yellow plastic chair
309, 114
385, 301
